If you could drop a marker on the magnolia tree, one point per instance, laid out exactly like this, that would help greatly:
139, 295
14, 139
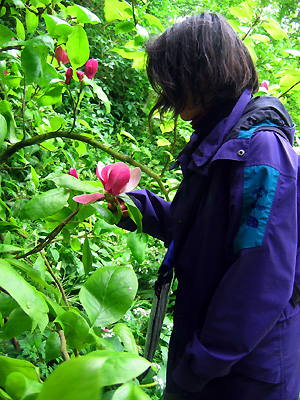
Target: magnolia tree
47, 72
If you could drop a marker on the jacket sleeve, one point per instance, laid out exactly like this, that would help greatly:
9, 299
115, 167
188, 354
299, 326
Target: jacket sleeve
156, 215
259, 282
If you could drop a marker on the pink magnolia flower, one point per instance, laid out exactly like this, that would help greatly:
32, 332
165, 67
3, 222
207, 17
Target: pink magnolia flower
5, 72
73, 172
116, 178
80, 75
61, 55
265, 84
91, 68
69, 74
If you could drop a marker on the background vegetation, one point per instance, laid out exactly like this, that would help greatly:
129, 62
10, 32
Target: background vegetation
73, 286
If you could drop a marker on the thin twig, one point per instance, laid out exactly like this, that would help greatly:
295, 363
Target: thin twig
252, 26
58, 284
292, 87
50, 237
171, 149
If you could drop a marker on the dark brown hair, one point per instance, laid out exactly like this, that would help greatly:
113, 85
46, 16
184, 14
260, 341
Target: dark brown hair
198, 57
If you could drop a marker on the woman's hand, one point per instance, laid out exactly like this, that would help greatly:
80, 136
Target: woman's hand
112, 207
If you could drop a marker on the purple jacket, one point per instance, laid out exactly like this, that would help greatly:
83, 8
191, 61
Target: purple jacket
234, 226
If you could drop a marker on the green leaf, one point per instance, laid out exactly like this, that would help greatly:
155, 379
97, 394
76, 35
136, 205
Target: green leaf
154, 22
53, 95
3, 129
20, 29
78, 47
53, 346
76, 330
137, 243
124, 27
17, 323
126, 337
241, 13
5, 34
163, 142
70, 182
33, 63
19, 386
9, 365
290, 81
100, 94
46, 204
274, 29
107, 215
6, 112
57, 27
35, 273
7, 304
32, 21
34, 177
259, 38
75, 244
86, 16
25, 295
82, 378
108, 294
115, 9
87, 258
130, 391
133, 211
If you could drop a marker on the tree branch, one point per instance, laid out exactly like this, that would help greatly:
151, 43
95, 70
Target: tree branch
292, 87
94, 143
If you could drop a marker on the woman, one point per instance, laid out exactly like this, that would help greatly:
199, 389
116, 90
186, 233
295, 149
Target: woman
233, 221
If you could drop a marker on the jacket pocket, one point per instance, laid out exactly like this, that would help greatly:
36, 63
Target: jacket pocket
264, 362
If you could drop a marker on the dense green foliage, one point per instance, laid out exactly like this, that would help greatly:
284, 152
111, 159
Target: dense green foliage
74, 286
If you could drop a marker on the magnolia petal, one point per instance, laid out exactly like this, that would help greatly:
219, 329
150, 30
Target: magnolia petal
135, 177
99, 168
73, 172
105, 173
118, 177
88, 198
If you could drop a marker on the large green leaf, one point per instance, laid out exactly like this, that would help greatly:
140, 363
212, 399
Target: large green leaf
53, 346
108, 293
84, 15
115, 9
28, 298
70, 182
19, 386
76, 330
129, 391
134, 212
34, 62
78, 47
5, 110
3, 129
137, 243
17, 323
82, 378
126, 336
57, 27
9, 365
5, 34
46, 204
274, 29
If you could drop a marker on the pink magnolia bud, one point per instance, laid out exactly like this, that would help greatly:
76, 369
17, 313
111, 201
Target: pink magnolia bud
69, 74
73, 172
80, 75
91, 68
265, 84
5, 72
61, 55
